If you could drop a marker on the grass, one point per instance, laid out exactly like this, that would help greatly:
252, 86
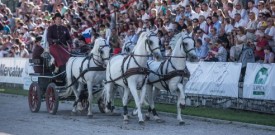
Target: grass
216, 113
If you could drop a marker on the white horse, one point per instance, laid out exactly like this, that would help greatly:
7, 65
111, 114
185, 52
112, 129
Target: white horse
90, 70
131, 72
168, 75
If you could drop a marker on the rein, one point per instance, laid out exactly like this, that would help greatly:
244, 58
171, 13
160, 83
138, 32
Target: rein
133, 71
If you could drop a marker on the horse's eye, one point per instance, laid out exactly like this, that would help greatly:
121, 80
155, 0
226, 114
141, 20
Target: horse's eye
149, 42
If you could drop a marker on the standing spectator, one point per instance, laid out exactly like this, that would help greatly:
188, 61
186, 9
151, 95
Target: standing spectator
115, 42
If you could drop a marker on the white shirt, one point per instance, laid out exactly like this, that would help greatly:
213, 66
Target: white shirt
228, 28
145, 16
204, 26
240, 23
255, 10
270, 32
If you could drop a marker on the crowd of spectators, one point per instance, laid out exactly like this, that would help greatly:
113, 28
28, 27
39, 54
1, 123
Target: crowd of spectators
221, 29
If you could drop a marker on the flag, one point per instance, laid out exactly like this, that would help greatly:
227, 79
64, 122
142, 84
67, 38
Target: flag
87, 35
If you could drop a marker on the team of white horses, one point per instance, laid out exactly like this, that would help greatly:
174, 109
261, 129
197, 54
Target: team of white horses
133, 72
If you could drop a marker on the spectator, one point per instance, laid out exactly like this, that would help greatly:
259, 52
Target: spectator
240, 40
200, 49
269, 55
221, 54
270, 32
24, 53
251, 27
260, 45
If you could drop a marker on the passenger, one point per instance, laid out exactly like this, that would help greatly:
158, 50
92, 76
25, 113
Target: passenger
37, 58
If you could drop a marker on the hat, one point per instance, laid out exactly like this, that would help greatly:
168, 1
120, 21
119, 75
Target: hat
57, 15
38, 38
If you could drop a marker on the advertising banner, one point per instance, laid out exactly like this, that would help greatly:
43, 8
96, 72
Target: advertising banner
259, 81
11, 70
215, 78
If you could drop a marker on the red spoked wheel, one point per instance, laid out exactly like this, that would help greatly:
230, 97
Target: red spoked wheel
34, 97
52, 99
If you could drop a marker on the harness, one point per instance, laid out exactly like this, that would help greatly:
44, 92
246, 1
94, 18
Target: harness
163, 73
98, 64
127, 72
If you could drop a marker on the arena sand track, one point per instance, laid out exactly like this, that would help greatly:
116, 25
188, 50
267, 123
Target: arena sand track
15, 118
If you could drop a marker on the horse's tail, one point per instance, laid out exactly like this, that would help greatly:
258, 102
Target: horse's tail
69, 79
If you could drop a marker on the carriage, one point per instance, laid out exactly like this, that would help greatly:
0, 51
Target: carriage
52, 88
130, 72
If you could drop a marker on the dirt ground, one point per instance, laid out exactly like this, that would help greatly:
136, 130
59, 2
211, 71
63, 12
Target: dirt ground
16, 119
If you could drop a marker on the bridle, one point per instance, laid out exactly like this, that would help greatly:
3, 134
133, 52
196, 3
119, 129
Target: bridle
183, 46
100, 51
148, 42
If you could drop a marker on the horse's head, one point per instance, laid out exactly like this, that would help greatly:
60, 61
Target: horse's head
152, 44
102, 51
188, 46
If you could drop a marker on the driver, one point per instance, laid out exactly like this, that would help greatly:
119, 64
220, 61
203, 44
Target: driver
59, 39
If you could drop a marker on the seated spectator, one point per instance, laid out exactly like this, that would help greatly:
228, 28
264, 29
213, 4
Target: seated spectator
200, 49
210, 55
269, 55
24, 53
260, 45
14, 51
240, 40
270, 32
221, 54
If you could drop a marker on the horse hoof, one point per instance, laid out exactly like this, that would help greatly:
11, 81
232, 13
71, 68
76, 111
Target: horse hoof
90, 116
141, 122
182, 106
160, 121
182, 123
147, 118
125, 121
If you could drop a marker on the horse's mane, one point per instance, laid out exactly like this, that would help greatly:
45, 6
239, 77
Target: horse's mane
141, 36
175, 39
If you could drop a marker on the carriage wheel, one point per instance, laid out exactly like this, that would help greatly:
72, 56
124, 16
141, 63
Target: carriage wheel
51, 99
101, 105
34, 97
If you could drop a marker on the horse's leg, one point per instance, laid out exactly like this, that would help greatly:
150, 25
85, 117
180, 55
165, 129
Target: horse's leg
180, 102
108, 92
152, 106
150, 100
76, 94
132, 86
125, 103
90, 99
